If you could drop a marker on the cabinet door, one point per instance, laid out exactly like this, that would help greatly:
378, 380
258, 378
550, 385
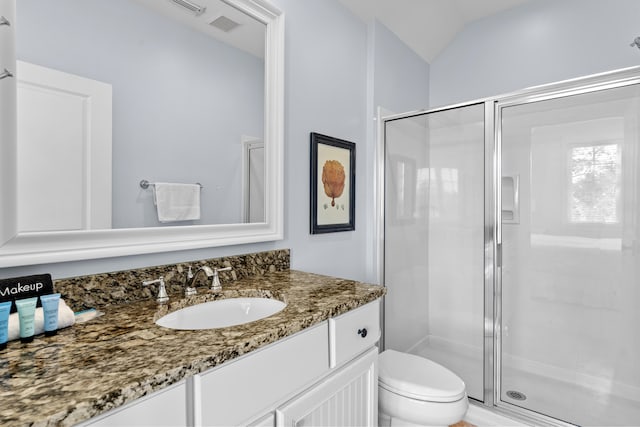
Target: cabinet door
255, 384
167, 407
347, 398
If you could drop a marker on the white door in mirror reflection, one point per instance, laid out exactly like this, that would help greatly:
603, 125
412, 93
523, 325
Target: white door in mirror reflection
64, 151
253, 177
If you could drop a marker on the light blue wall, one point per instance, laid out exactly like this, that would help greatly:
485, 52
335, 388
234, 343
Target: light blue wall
326, 92
337, 74
181, 100
540, 42
401, 77
333, 73
326, 65
397, 81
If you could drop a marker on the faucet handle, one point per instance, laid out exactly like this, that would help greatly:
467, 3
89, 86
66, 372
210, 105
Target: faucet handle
215, 283
189, 290
162, 290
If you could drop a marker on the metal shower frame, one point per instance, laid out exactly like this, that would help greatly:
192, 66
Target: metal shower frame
493, 107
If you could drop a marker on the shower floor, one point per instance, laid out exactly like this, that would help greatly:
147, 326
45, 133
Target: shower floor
571, 402
559, 399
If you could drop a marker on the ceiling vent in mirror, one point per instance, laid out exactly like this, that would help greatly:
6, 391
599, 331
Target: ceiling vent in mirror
193, 7
223, 23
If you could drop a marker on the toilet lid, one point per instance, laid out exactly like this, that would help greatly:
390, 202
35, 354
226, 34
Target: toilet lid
418, 378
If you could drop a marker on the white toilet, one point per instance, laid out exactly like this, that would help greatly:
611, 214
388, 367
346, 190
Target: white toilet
414, 391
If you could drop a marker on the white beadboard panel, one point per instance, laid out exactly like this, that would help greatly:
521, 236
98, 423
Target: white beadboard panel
347, 398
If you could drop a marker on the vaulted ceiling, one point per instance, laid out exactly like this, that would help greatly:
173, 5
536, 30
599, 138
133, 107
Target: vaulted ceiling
427, 26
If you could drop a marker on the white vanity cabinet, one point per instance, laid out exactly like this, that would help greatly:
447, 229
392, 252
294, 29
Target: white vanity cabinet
323, 375
348, 397
167, 407
244, 389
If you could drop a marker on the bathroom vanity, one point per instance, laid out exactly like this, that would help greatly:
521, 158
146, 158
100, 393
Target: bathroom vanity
326, 373
315, 361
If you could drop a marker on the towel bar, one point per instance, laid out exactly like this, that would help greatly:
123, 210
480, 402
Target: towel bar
145, 184
6, 73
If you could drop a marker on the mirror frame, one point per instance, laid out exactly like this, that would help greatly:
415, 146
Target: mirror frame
27, 248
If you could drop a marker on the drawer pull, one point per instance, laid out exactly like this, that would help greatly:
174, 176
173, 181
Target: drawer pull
362, 332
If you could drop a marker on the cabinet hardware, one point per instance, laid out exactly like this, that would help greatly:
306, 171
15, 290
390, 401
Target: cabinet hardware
362, 332
4, 21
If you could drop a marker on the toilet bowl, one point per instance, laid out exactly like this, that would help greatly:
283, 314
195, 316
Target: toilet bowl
414, 391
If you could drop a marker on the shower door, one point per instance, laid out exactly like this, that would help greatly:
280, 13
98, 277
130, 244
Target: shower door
569, 295
434, 225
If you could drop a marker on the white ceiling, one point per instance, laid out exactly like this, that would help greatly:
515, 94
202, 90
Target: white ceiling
427, 26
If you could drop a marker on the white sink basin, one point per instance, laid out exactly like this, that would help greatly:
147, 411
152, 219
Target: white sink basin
221, 313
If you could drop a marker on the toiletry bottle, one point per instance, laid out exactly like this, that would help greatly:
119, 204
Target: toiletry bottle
5, 309
50, 308
26, 314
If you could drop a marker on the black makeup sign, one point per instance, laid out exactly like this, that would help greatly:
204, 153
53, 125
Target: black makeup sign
25, 287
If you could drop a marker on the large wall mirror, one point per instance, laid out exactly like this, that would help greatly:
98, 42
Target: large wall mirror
115, 96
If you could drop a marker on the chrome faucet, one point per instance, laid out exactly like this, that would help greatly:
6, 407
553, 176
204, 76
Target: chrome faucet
213, 274
162, 291
206, 270
189, 289
215, 283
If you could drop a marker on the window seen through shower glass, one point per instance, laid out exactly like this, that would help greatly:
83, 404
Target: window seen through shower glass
595, 184
570, 276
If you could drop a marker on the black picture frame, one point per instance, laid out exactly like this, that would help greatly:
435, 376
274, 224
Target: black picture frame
333, 184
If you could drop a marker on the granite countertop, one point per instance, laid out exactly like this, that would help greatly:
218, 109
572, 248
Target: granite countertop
121, 356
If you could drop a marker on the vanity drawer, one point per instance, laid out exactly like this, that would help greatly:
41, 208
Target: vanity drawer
166, 407
253, 385
353, 332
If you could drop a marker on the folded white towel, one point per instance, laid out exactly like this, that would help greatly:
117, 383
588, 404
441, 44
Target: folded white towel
177, 202
65, 319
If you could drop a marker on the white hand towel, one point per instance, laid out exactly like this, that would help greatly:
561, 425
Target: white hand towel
65, 319
177, 202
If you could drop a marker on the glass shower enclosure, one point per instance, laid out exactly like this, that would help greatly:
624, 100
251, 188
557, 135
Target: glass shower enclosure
511, 247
